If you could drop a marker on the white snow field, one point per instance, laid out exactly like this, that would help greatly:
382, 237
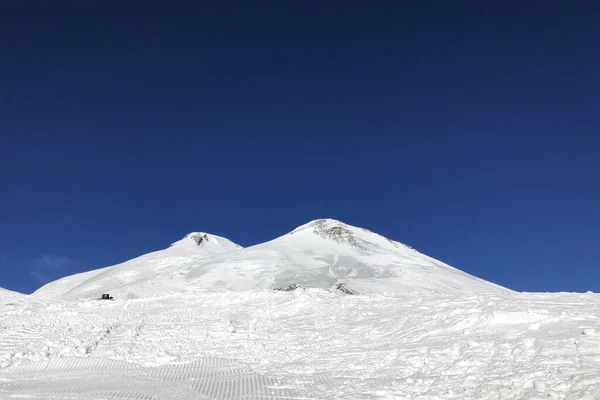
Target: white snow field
305, 344
186, 324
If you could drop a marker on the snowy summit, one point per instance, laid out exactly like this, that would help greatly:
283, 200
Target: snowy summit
325, 254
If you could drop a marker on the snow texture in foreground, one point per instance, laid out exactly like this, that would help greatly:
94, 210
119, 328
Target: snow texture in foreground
321, 254
306, 344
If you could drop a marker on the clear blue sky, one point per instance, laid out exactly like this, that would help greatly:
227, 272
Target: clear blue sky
467, 130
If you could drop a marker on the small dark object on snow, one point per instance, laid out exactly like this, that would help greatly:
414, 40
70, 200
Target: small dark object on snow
105, 296
290, 288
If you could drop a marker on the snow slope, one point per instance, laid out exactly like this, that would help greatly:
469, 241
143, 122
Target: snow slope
134, 276
321, 254
306, 344
9, 295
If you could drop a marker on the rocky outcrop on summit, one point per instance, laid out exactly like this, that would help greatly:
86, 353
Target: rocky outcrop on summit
336, 232
341, 233
198, 237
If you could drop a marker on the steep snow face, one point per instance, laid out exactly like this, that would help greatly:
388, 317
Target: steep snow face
325, 253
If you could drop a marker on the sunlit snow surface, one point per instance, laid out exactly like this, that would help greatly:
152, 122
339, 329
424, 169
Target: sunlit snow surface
200, 320
306, 344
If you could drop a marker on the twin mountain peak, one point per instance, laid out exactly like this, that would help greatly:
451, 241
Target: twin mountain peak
323, 254
329, 229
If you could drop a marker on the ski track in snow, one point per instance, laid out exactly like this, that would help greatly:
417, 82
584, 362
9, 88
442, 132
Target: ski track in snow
208, 378
307, 344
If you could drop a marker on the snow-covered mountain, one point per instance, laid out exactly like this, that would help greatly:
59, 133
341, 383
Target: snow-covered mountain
324, 254
216, 330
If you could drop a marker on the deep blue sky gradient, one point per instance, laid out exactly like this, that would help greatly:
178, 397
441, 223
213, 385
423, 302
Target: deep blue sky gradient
470, 131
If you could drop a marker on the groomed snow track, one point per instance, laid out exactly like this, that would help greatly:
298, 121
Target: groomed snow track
206, 378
